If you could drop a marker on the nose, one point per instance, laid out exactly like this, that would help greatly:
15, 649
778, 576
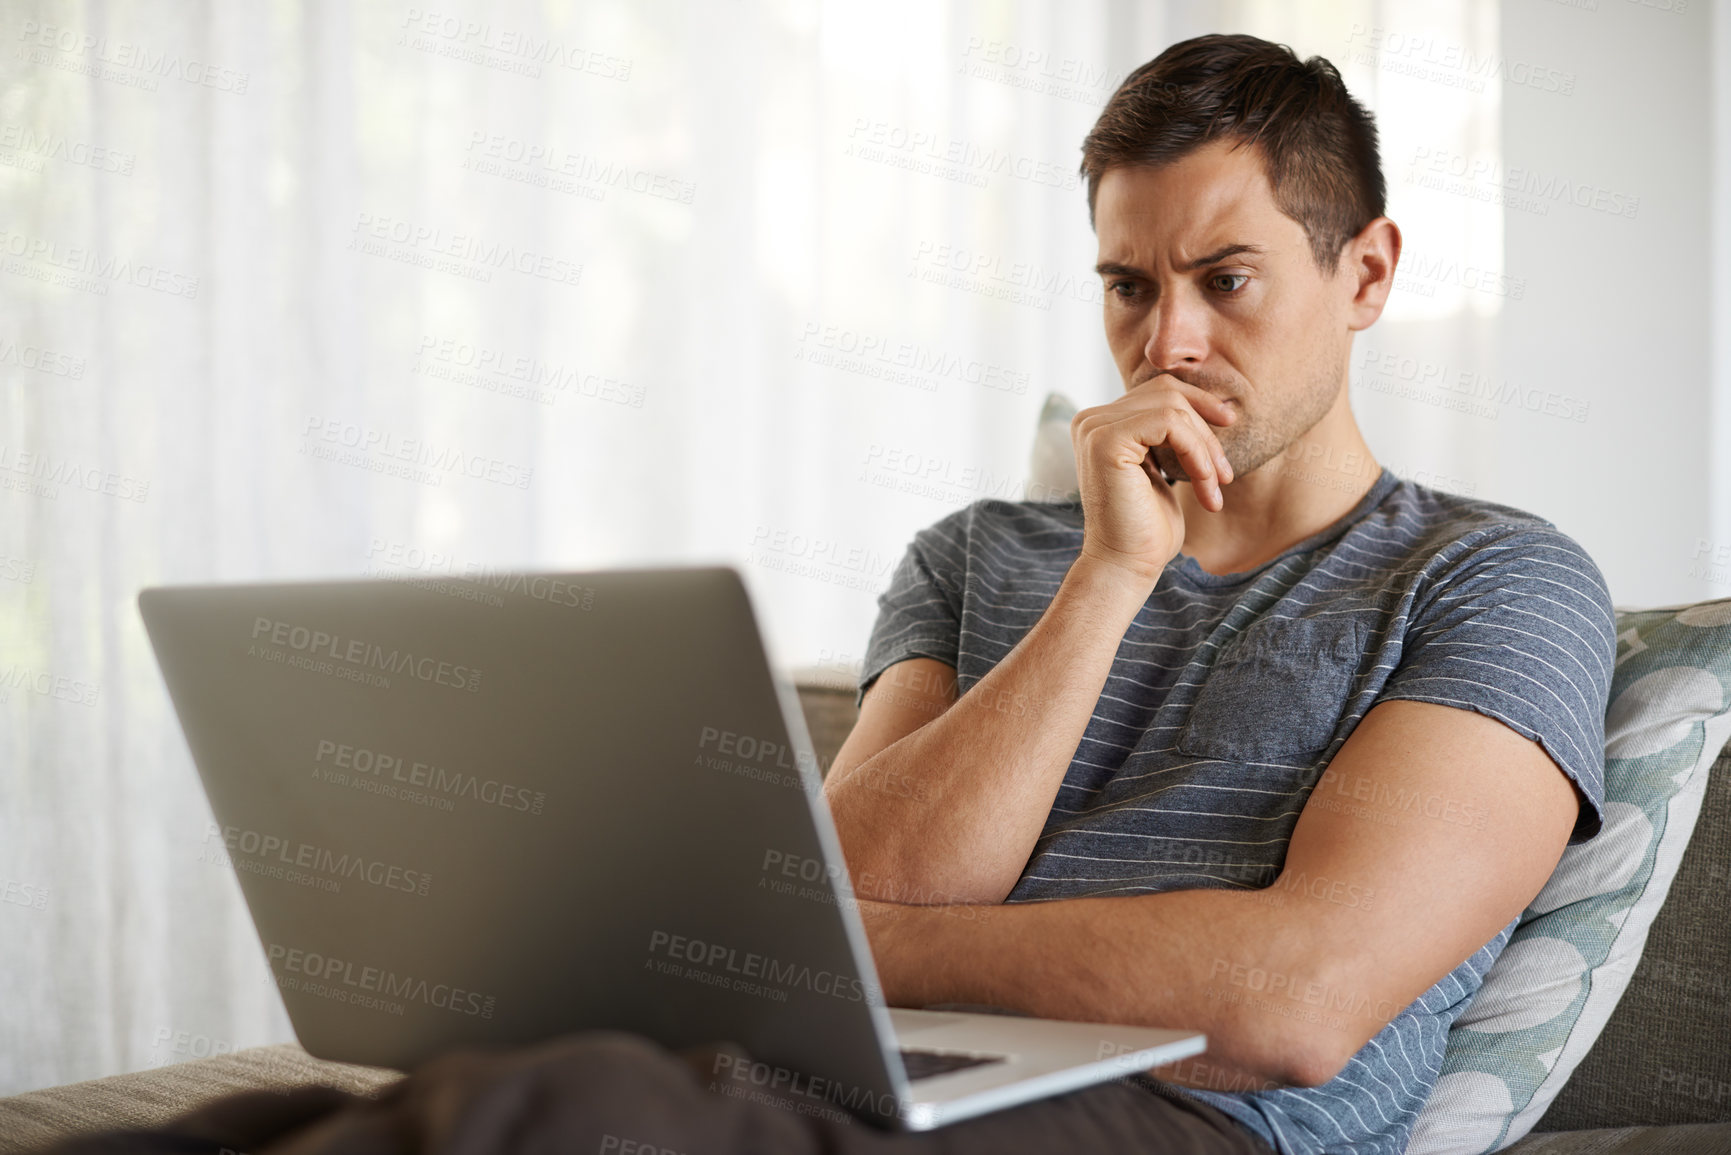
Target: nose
1178, 335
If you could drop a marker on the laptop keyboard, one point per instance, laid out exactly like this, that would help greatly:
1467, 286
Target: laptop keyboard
925, 1064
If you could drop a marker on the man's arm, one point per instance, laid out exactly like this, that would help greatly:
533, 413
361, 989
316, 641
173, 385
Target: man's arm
1377, 902
956, 793
947, 797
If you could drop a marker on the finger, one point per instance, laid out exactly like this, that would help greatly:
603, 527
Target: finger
1192, 398
1216, 451
1184, 440
1222, 467
1225, 465
1187, 437
1193, 448
1212, 409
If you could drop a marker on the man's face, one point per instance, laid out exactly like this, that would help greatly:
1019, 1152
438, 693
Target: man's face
1206, 279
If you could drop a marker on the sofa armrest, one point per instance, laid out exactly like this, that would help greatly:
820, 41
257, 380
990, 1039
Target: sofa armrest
826, 699
152, 1097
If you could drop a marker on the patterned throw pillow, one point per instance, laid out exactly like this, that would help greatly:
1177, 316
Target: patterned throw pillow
1551, 991
1052, 462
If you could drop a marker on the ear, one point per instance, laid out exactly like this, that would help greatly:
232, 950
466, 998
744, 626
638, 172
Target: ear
1367, 266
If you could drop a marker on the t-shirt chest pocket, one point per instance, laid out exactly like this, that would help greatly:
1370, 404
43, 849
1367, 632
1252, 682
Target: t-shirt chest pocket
1276, 692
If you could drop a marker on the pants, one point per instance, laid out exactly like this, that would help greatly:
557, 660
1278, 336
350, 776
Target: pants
613, 1093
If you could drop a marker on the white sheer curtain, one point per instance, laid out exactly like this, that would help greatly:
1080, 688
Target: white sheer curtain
334, 290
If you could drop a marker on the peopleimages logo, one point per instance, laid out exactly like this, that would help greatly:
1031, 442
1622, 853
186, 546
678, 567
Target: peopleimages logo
365, 769
60, 687
382, 451
714, 956
49, 474
461, 39
41, 360
52, 146
797, 1091
329, 977
95, 56
424, 244
90, 263
273, 850
364, 655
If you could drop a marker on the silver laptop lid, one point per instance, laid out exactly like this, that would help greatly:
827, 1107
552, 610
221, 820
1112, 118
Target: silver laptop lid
494, 812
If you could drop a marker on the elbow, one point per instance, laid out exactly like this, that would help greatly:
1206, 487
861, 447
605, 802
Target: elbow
1283, 1051
894, 857
1307, 1009
889, 867
1311, 1062
1315, 1052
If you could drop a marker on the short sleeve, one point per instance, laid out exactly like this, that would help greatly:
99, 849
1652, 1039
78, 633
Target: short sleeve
920, 614
1518, 626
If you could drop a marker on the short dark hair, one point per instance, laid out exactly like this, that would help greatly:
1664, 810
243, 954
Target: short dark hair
1318, 143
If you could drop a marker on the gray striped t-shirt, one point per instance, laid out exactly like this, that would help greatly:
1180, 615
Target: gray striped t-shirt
1230, 694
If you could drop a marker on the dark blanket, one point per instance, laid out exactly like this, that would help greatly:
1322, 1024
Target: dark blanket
618, 1094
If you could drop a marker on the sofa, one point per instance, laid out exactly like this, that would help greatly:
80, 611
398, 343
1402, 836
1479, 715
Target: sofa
1656, 1082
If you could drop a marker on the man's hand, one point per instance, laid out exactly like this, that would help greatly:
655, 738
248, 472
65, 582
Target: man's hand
941, 795
1130, 517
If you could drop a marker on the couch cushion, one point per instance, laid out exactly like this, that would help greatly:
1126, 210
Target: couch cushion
1052, 461
151, 1097
1665, 1055
1688, 1139
1567, 964
826, 699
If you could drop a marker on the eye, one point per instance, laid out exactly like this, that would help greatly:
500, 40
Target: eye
1217, 278
1125, 290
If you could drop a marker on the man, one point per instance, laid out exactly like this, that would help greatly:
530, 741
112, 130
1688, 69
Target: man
1291, 749
1288, 757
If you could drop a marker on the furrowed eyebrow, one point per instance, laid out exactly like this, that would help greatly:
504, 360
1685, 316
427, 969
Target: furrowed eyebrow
1113, 269
1220, 255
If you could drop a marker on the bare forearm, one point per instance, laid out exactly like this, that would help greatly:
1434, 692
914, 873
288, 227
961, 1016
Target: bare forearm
988, 768
1216, 961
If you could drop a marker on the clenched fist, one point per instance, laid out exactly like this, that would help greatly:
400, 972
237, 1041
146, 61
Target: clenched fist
1130, 517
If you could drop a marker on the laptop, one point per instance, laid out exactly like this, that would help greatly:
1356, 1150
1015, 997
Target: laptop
488, 812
